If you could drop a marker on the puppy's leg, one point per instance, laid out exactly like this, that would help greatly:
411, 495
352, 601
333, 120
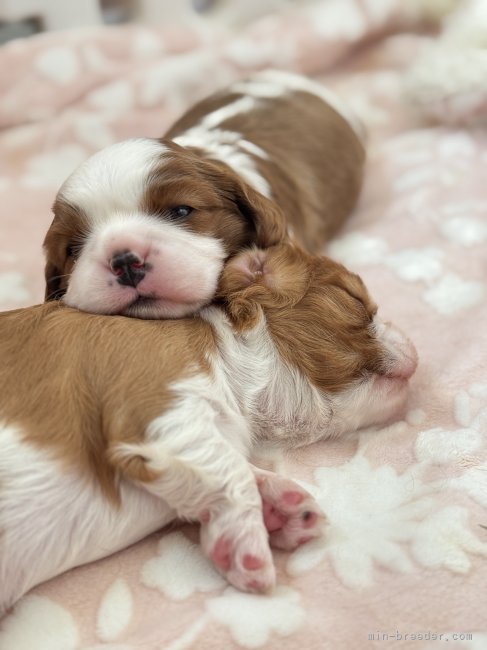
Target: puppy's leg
292, 516
204, 478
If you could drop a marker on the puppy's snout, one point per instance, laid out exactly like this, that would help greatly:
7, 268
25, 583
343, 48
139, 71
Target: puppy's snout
128, 267
404, 355
400, 356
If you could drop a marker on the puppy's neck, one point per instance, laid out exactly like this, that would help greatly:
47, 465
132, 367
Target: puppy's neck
244, 358
279, 402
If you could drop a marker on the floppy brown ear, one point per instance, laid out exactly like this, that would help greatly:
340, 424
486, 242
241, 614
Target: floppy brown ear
268, 219
257, 280
54, 253
265, 217
53, 289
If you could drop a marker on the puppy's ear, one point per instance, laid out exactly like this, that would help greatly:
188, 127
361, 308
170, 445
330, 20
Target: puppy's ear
55, 252
53, 276
242, 287
243, 271
267, 218
258, 280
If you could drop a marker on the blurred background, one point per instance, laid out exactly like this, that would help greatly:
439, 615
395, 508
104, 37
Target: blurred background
25, 17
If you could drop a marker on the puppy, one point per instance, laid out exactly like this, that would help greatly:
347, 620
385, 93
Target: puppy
112, 427
144, 227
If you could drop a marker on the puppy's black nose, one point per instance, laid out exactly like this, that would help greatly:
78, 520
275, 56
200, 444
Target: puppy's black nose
128, 267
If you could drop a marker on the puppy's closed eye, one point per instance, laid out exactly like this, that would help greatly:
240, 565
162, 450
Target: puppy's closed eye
181, 212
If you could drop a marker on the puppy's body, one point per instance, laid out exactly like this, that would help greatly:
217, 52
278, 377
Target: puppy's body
112, 427
270, 156
306, 148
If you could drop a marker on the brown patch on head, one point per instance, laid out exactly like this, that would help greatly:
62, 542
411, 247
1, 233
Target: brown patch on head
318, 313
224, 206
61, 244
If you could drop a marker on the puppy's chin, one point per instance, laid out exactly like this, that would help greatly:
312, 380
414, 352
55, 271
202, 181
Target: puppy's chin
145, 307
157, 308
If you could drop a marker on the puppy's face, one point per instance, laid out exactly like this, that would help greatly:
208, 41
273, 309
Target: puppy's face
144, 227
324, 324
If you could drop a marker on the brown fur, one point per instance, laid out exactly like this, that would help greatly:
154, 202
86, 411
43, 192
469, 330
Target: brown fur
67, 231
79, 383
317, 312
224, 206
315, 164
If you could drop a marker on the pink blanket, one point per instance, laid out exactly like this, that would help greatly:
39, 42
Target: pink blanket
405, 555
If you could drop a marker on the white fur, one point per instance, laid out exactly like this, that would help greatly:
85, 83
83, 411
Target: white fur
166, 248
230, 148
284, 407
69, 518
114, 179
267, 389
253, 149
242, 105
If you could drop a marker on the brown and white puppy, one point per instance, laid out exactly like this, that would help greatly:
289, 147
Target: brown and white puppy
144, 227
111, 427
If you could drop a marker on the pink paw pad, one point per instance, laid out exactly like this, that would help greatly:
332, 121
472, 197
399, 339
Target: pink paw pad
221, 554
291, 515
256, 586
252, 563
240, 551
273, 519
293, 498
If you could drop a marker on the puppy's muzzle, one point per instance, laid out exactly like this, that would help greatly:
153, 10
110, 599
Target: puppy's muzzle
128, 267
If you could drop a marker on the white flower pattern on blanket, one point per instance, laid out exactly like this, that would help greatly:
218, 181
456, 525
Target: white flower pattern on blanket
195, 572
378, 515
407, 505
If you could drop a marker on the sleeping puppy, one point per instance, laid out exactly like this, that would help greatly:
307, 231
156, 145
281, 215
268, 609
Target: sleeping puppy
112, 427
144, 227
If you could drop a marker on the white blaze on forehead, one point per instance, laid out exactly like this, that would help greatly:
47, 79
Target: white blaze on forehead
114, 179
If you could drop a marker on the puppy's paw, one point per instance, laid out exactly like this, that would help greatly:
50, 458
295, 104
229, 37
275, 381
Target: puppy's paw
240, 551
291, 515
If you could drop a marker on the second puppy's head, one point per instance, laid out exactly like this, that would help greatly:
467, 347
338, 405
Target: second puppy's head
325, 328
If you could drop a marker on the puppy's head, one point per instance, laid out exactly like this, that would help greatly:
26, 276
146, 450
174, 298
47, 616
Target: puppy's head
144, 227
324, 325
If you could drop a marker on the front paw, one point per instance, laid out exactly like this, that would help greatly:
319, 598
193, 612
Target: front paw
240, 551
291, 514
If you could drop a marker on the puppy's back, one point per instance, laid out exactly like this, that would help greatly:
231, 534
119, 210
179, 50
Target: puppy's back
74, 383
